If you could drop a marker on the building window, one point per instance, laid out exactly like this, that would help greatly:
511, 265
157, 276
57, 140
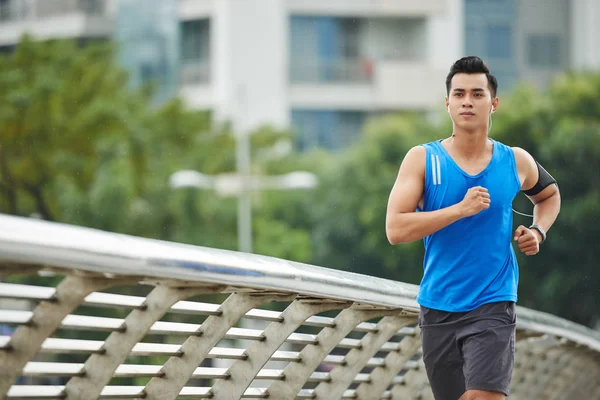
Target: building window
5, 14
350, 32
194, 40
498, 41
490, 30
472, 42
195, 51
328, 129
11, 10
543, 50
326, 49
93, 7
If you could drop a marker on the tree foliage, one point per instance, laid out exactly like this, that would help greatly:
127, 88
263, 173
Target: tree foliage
559, 127
78, 145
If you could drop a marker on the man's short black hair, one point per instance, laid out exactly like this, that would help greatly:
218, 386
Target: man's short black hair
472, 65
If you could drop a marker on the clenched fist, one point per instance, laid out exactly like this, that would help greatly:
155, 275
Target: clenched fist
527, 240
476, 200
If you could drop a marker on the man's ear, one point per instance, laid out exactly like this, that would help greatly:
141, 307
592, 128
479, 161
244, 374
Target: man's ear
495, 102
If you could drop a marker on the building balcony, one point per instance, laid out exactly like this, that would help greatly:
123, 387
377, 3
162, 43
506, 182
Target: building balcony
47, 19
196, 9
409, 85
365, 8
382, 85
194, 73
330, 71
195, 84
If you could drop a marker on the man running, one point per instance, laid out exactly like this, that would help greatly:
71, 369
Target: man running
456, 194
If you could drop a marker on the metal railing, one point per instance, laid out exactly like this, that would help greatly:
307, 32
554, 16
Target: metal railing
89, 314
47, 8
197, 72
18, 10
355, 70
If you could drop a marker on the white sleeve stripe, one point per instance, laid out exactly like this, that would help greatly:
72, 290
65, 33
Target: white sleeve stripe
439, 171
433, 170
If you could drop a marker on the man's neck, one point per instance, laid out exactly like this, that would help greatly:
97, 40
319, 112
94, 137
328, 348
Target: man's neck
469, 144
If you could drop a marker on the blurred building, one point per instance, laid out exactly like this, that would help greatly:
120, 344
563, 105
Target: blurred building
320, 66
533, 40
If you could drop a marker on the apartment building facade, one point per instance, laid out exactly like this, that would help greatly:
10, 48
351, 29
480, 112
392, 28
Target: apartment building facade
320, 67
533, 40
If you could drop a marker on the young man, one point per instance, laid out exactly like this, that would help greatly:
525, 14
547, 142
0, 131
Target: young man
457, 194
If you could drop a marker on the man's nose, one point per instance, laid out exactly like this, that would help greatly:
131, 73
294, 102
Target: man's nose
467, 102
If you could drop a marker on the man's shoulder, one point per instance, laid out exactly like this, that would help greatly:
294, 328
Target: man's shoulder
417, 154
425, 147
521, 155
430, 143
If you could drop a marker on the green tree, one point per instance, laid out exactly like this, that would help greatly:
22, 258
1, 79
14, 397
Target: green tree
351, 205
78, 145
284, 219
75, 143
559, 127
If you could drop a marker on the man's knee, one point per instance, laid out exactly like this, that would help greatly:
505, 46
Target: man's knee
481, 395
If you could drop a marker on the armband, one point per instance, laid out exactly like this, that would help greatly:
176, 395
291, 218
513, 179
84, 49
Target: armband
544, 180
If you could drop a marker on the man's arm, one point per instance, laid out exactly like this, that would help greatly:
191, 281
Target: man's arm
403, 223
546, 203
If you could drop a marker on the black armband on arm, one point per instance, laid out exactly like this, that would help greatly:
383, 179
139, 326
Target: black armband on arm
544, 180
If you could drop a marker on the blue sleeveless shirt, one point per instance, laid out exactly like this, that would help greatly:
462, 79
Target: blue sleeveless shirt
471, 261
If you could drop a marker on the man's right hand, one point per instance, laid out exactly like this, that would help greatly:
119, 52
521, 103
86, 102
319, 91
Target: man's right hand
403, 223
476, 200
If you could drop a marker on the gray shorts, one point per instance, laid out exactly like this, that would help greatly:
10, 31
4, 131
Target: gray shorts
469, 350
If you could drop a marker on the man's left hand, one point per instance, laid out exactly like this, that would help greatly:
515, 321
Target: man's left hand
528, 240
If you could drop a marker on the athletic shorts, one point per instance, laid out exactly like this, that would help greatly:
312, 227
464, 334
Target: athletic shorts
469, 350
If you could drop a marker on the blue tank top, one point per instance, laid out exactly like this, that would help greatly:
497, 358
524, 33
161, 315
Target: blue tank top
471, 261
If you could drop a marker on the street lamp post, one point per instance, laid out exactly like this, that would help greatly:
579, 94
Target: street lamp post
241, 185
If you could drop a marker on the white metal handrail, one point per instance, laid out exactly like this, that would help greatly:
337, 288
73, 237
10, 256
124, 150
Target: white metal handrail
196, 322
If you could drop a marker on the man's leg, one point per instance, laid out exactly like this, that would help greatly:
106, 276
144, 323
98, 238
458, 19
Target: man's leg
482, 395
488, 347
441, 354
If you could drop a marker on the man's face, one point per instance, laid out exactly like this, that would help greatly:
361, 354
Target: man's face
470, 100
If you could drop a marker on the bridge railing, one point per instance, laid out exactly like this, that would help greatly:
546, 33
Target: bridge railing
86, 314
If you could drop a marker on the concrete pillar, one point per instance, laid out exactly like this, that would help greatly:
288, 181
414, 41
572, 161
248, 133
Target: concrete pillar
249, 61
446, 36
585, 34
